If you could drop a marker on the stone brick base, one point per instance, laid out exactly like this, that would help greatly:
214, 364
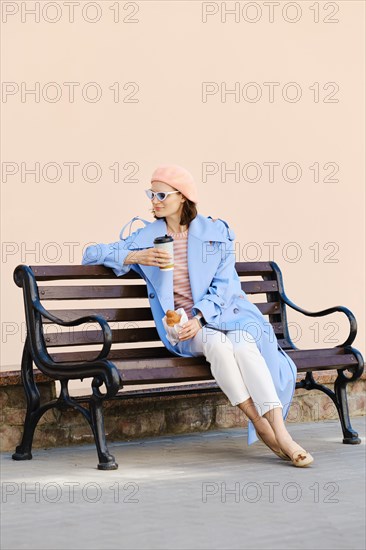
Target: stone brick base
134, 418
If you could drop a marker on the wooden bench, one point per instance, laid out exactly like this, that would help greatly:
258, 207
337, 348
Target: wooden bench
111, 370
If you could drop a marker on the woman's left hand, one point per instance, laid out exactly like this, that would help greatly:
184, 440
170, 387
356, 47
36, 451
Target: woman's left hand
189, 329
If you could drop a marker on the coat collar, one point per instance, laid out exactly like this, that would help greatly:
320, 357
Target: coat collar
201, 229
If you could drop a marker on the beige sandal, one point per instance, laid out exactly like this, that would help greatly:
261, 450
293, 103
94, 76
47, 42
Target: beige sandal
300, 459
279, 453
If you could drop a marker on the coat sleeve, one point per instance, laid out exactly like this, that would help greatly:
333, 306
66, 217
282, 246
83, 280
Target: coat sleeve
216, 299
111, 255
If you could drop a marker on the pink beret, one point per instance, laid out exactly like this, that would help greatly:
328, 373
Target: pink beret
177, 177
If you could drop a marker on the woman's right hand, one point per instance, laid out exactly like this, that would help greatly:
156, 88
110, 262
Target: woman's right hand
149, 256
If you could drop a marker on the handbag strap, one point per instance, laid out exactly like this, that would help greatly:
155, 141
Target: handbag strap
131, 222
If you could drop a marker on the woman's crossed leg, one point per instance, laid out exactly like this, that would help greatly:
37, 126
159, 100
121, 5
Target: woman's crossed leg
241, 372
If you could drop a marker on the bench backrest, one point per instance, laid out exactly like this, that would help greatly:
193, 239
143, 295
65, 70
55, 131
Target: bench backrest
73, 291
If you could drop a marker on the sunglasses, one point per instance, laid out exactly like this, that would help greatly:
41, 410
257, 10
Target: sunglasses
161, 196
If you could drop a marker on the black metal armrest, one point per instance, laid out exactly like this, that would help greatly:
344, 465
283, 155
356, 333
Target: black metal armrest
351, 318
99, 368
106, 329
112, 378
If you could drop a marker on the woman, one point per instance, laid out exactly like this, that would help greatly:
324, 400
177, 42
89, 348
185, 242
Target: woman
223, 325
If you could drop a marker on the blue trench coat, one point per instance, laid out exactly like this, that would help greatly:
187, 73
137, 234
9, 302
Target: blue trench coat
216, 292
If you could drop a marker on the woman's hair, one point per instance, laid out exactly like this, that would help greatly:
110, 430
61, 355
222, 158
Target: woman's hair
189, 212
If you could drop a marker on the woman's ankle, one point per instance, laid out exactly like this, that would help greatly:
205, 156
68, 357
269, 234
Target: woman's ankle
283, 438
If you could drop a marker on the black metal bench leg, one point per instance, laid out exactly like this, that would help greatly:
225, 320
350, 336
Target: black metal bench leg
23, 451
350, 436
106, 460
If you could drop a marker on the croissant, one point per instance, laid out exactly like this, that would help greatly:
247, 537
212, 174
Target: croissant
172, 318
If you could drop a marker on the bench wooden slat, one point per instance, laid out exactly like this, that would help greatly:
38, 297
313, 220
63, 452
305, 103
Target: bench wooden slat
126, 353
147, 362
162, 375
253, 268
161, 370
269, 308
326, 362
310, 362
92, 292
109, 314
88, 337
64, 272
258, 287
119, 315
84, 292
325, 352
67, 272
162, 351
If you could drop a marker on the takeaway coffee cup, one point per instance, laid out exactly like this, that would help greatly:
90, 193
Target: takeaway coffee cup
166, 243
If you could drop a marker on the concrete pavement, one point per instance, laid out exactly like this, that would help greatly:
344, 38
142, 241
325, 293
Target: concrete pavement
202, 490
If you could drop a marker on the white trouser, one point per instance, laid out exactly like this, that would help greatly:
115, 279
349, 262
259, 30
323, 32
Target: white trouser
237, 366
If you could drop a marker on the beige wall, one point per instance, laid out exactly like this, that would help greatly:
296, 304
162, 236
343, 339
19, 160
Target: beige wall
168, 53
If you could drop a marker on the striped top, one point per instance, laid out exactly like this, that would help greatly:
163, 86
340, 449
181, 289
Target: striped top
181, 282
